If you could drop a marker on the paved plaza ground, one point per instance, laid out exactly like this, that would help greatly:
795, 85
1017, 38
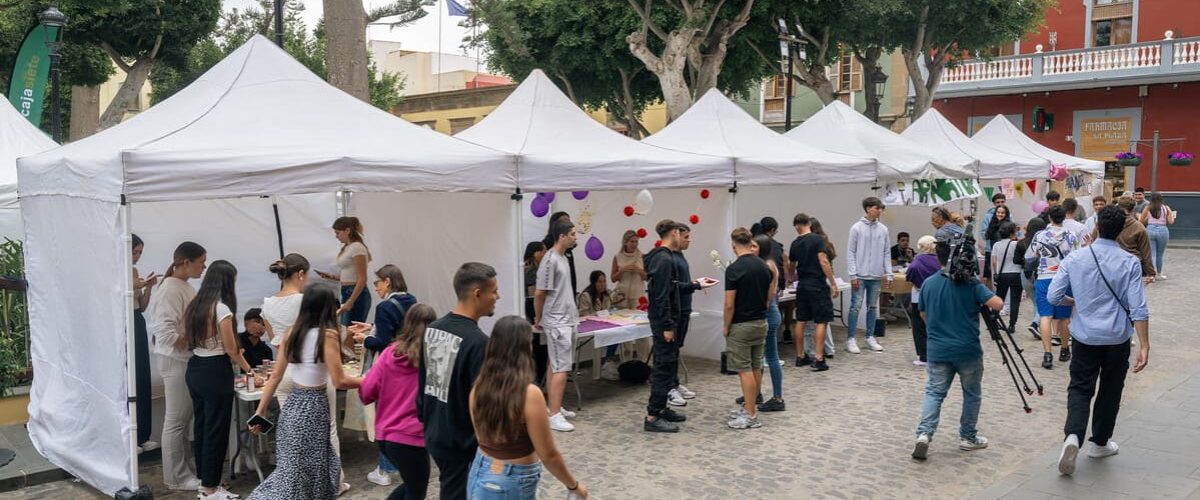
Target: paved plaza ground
848, 432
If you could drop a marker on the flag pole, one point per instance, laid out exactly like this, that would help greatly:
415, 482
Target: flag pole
439, 50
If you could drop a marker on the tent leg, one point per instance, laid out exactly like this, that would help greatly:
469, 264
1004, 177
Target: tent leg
130, 349
518, 285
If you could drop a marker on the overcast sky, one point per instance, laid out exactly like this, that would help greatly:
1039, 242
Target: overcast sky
421, 35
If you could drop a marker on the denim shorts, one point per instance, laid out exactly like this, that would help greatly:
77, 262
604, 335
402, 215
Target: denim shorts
491, 479
1044, 308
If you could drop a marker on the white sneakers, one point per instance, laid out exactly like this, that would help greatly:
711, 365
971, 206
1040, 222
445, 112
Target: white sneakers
1096, 451
1161, 277
674, 398
566, 413
192, 484
874, 344
378, 476
852, 346
979, 443
1066, 458
220, 494
147, 446
685, 392
610, 372
918, 362
921, 450
559, 423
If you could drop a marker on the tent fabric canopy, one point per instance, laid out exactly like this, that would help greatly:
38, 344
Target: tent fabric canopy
260, 123
561, 148
839, 128
999, 133
935, 131
18, 138
716, 126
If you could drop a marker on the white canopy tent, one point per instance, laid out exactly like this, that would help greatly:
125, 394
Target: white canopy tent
839, 128
18, 138
935, 131
560, 148
257, 124
1001, 134
716, 126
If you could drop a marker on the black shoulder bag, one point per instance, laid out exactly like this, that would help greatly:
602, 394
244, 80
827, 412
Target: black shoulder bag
1100, 270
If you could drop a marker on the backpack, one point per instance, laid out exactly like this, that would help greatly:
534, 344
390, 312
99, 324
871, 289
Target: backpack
634, 371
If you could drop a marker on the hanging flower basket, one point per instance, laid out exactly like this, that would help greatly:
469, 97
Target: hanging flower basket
1180, 159
1129, 159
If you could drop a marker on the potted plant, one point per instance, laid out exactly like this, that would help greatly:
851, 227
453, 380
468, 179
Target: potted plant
1180, 159
1129, 158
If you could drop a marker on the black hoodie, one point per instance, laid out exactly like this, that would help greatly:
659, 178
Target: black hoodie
661, 288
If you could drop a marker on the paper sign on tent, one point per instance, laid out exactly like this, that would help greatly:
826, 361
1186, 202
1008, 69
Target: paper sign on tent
1006, 187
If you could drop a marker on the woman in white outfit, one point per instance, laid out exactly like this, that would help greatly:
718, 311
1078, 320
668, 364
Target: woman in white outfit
280, 311
166, 320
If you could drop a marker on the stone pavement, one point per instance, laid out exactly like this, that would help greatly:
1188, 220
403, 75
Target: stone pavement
847, 433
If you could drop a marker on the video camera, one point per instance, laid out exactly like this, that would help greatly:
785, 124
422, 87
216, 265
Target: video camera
963, 264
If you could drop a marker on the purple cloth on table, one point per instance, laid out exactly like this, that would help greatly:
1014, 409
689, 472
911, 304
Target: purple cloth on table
592, 325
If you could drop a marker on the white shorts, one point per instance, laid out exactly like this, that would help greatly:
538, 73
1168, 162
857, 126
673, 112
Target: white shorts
560, 346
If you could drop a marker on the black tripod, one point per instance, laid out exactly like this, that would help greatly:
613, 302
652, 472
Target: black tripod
995, 326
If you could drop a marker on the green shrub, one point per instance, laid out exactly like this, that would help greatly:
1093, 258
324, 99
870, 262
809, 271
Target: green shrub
14, 319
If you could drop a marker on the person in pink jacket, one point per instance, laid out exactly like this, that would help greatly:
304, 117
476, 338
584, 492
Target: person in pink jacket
392, 386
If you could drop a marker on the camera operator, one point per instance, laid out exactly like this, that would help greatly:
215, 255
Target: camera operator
949, 305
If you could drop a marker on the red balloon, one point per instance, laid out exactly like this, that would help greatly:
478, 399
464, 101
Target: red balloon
642, 300
657, 243
704, 193
695, 219
628, 210
641, 232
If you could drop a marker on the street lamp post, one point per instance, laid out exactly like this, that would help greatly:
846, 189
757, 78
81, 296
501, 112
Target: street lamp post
54, 18
879, 81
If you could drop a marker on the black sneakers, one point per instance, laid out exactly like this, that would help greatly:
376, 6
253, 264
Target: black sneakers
819, 365
1047, 361
1065, 354
773, 404
1035, 329
671, 415
659, 425
803, 361
1055, 340
742, 400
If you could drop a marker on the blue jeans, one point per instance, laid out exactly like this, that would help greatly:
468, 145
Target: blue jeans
868, 288
810, 347
513, 482
359, 310
970, 376
771, 350
1159, 236
386, 466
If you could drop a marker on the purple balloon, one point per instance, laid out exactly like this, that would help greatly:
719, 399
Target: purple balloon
549, 197
1039, 206
594, 248
579, 195
540, 207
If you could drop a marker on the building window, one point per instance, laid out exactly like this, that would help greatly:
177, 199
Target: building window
777, 87
849, 73
1004, 49
1117, 31
460, 124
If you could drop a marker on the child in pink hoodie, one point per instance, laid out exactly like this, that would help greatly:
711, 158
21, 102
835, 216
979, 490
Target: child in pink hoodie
392, 386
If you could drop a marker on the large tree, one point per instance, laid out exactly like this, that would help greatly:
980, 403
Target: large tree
940, 34
346, 24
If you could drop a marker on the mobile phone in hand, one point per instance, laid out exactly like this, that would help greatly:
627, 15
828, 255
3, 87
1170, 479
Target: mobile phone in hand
264, 425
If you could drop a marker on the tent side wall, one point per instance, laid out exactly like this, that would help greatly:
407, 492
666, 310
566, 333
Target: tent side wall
79, 418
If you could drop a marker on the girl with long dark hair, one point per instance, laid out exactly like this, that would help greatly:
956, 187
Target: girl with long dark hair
597, 297
534, 251
991, 237
766, 248
1004, 268
307, 464
141, 342
511, 424
1156, 217
352, 262
209, 329
392, 386
171, 345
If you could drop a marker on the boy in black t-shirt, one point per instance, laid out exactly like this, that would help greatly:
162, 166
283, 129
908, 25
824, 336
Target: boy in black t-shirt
451, 356
748, 284
815, 288
256, 351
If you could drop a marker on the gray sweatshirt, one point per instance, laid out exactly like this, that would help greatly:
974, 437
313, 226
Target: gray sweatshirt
867, 254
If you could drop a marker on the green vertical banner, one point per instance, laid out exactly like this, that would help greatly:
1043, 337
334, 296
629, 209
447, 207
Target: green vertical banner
28, 87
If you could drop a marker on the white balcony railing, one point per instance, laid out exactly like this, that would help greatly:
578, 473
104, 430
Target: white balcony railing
1168, 59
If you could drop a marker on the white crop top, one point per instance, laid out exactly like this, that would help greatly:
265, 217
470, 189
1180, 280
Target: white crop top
347, 274
214, 346
307, 372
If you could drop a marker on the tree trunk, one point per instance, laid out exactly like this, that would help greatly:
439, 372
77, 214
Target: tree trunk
869, 59
630, 108
135, 79
346, 52
924, 87
85, 111
668, 67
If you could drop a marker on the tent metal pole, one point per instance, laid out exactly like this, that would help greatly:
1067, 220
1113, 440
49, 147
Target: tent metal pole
519, 282
130, 349
278, 226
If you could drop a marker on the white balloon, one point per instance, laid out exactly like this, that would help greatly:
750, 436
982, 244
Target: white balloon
644, 203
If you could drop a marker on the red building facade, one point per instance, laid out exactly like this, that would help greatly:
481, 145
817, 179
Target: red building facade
1111, 72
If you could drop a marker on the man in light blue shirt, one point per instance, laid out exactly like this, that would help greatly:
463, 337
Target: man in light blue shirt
1109, 308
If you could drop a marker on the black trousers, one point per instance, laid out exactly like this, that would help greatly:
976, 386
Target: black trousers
210, 383
541, 354
141, 368
681, 330
664, 375
452, 474
1107, 364
413, 463
920, 336
1010, 283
